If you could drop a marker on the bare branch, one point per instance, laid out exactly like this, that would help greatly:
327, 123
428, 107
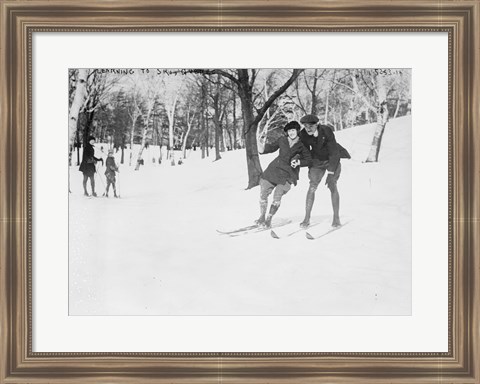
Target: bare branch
276, 94
223, 73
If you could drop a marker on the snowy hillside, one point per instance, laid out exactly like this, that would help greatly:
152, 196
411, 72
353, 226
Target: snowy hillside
156, 251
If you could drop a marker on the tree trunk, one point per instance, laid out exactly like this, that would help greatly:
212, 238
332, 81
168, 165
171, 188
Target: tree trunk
234, 146
146, 123
123, 150
88, 126
77, 134
202, 142
217, 123
230, 138
218, 129
207, 140
327, 101
184, 146
245, 82
382, 118
170, 140
78, 101
250, 132
314, 93
132, 132
397, 108
367, 115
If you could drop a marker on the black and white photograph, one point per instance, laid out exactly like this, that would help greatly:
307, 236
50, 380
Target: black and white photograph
240, 192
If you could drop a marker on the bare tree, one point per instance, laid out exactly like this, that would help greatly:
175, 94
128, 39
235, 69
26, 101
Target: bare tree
134, 112
382, 118
244, 79
170, 91
79, 97
150, 100
190, 118
80, 94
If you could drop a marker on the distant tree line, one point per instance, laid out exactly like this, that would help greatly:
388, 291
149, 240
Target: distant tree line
225, 109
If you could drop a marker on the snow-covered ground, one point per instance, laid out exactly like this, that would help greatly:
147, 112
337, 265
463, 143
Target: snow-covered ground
155, 251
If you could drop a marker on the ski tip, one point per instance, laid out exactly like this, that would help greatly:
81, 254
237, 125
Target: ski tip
274, 235
309, 236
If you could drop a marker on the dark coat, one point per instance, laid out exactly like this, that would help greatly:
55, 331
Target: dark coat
279, 171
323, 147
111, 168
87, 165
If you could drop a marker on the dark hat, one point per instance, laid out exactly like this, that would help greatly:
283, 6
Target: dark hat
91, 138
292, 125
309, 119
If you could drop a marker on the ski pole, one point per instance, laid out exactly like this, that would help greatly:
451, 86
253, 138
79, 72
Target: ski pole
103, 183
118, 179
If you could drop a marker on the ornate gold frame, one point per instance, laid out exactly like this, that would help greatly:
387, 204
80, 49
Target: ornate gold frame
19, 19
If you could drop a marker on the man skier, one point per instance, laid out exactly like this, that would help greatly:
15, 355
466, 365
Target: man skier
326, 153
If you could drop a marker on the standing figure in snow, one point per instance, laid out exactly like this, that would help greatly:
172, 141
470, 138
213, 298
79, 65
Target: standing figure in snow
326, 153
88, 165
110, 170
282, 172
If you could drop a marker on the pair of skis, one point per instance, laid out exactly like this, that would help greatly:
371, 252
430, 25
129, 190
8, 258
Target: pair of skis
309, 235
276, 234
255, 228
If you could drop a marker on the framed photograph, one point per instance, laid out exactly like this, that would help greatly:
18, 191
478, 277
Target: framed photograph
239, 192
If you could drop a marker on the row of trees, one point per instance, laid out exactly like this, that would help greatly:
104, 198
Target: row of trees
227, 108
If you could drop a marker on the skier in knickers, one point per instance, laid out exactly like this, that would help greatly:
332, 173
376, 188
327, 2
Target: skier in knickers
282, 172
326, 154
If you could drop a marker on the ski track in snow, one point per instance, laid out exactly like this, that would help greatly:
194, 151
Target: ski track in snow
155, 251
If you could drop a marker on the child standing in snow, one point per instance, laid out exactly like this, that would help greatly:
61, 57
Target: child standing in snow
111, 168
282, 172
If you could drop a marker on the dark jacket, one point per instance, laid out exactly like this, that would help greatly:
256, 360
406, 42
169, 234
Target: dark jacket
88, 160
279, 171
111, 168
323, 147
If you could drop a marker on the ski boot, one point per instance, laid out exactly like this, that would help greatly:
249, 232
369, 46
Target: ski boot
305, 224
260, 221
268, 220
263, 210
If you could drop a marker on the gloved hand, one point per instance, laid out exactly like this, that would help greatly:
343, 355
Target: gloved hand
295, 163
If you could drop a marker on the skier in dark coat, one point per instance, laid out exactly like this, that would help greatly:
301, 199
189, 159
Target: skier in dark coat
110, 170
326, 153
88, 165
282, 172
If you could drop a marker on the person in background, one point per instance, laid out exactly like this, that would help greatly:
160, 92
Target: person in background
87, 166
282, 172
110, 170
